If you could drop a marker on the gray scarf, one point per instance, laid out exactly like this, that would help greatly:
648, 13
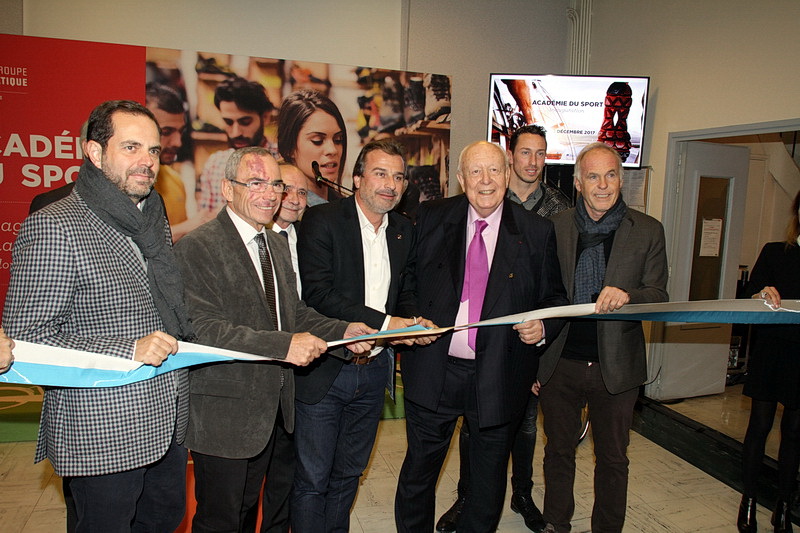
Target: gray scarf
591, 268
146, 229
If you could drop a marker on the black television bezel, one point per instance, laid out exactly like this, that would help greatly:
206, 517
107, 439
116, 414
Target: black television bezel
645, 111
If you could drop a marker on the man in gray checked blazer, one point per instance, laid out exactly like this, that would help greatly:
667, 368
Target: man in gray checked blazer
95, 272
611, 255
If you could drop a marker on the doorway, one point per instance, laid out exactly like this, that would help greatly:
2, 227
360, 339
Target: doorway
766, 209
691, 359
671, 211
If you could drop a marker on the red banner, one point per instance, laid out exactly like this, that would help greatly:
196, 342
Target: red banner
48, 87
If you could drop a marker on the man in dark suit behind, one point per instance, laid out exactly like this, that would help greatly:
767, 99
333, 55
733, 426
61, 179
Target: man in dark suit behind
240, 290
612, 255
486, 378
293, 205
48, 197
356, 262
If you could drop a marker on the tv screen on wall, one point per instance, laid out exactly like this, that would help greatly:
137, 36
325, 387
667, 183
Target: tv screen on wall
573, 110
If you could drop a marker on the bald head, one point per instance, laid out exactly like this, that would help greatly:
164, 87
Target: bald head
483, 173
295, 199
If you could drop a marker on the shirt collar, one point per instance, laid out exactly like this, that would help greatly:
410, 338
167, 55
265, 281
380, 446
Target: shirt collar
277, 229
492, 221
530, 201
246, 231
364, 223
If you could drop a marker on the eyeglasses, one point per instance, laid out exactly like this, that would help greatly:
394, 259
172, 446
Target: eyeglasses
300, 192
262, 185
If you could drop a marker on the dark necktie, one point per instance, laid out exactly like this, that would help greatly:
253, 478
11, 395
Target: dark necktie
476, 275
283, 233
269, 281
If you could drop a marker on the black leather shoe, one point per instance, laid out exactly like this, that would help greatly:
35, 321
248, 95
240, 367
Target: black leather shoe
747, 516
447, 523
523, 504
782, 518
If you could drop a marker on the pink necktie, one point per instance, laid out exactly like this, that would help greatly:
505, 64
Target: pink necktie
476, 274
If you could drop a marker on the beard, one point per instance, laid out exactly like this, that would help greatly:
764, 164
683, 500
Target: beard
168, 156
241, 141
132, 189
379, 204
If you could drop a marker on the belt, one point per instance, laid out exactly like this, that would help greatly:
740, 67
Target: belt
362, 359
366, 358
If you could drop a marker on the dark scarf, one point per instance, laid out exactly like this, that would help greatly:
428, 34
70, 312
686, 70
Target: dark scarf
146, 229
591, 268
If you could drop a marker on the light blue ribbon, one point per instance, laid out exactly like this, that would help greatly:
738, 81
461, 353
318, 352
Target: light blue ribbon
34, 364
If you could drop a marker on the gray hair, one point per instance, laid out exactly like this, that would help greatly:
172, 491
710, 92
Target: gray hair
592, 147
232, 166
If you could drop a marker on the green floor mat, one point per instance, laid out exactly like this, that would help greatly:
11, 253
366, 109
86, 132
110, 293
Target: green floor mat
394, 409
20, 406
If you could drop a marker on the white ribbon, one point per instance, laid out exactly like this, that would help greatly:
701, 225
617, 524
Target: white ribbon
38, 364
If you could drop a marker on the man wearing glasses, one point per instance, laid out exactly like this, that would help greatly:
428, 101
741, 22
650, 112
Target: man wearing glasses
295, 201
241, 294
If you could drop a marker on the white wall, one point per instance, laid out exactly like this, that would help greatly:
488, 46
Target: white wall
347, 32
467, 39
473, 38
766, 220
712, 63
11, 19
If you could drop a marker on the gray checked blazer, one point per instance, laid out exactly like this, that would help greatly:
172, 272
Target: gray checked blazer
637, 264
77, 283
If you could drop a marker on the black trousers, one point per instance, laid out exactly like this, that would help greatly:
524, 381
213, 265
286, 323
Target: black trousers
522, 448
278, 487
573, 385
429, 433
146, 499
227, 490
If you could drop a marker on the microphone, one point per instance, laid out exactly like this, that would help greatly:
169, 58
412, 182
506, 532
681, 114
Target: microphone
332, 184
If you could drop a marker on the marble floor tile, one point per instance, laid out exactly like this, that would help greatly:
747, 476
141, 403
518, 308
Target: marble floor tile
666, 494
728, 413
46, 521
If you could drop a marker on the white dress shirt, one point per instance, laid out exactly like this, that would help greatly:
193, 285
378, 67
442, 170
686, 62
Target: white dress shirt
291, 232
377, 269
248, 234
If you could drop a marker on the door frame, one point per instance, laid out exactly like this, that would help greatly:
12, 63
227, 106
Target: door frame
687, 360
670, 215
732, 164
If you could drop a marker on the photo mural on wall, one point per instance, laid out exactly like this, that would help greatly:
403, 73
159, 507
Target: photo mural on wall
48, 87
316, 116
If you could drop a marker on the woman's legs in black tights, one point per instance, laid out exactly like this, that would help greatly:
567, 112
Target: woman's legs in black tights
788, 453
762, 413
